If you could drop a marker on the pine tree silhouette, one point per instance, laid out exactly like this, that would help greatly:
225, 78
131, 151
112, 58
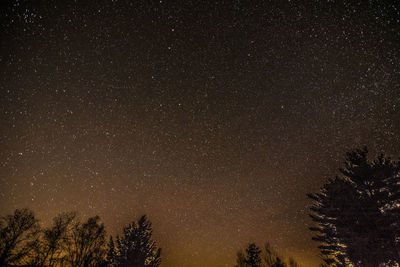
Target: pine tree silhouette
357, 214
136, 248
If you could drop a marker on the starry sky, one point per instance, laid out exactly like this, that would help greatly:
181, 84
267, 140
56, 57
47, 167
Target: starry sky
214, 118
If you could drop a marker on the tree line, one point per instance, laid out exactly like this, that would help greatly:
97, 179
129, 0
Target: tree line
357, 213
254, 256
356, 219
70, 242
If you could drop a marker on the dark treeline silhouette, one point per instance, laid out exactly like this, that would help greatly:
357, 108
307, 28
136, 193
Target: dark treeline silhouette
253, 256
69, 242
357, 214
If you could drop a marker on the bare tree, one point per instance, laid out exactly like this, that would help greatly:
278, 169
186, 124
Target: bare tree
16, 232
85, 244
48, 247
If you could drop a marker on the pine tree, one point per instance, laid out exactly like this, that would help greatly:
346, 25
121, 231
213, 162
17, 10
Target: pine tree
136, 248
253, 258
111, 253
278, 263
240, 260
357, 214
272, 259
293, 263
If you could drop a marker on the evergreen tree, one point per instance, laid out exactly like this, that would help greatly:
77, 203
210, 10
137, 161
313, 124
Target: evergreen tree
357, 214
240, 260
272, 259
111, 253
136, 248
253, 258
293, 263
278, 263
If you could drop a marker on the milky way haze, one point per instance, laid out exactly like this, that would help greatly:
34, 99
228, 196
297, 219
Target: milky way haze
213, 118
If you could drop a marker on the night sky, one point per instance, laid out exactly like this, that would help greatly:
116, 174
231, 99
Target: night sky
213, 118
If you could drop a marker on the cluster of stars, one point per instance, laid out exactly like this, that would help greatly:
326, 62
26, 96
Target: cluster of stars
215, 119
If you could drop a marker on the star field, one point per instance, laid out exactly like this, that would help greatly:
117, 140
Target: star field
214, 119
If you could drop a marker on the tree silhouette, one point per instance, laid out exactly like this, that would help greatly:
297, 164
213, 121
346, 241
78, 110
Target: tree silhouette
255, 257
357, 214
293, 263
16, 233
252, 258
111, 259
271, 257
85, 244
136, 248
48, 247
240, 259
278, 263
69, 242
